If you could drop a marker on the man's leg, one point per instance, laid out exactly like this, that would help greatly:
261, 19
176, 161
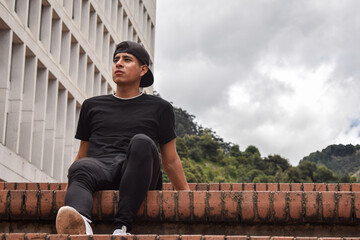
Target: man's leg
140, 172
86, 175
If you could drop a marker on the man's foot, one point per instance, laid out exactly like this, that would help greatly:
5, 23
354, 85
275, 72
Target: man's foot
120, 232
70, 221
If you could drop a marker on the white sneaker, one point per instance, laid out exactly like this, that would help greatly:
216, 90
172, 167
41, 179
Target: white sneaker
120, 232
70, 221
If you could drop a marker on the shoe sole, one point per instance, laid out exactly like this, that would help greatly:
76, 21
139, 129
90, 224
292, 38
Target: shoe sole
69, 221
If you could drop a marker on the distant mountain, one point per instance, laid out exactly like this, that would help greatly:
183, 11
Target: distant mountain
341, 159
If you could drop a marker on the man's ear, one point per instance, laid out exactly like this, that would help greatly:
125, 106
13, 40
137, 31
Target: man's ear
144, 69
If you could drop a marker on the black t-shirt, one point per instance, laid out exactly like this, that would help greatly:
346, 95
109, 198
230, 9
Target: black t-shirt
108, 123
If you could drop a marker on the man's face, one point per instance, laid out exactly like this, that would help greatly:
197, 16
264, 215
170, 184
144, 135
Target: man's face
127, 69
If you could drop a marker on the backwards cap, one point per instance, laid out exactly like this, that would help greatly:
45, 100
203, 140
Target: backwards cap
141, 54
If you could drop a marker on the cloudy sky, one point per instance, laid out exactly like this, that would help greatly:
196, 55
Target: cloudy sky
283, 75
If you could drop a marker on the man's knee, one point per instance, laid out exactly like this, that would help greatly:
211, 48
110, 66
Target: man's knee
83, 165
142, 140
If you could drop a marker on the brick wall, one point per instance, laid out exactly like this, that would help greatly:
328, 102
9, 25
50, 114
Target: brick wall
331, 210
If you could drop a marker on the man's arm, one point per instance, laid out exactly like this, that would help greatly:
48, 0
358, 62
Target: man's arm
172, 165
83, 149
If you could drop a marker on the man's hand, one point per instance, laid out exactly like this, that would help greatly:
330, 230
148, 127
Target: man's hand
172, 165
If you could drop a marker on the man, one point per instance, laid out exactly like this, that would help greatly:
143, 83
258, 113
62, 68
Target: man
119, 135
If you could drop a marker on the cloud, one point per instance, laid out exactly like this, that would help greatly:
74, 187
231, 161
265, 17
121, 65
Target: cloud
280, 75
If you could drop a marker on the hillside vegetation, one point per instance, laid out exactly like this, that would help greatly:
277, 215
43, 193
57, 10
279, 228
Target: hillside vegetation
207, 158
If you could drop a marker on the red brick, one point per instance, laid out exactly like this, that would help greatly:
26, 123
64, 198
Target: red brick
355, 187
14, 236
237, 186
80, 237
2, 185
16, 203
259, 237
192, 186
54, 186
282, 238
141, 212
191, 237
202, 186
102, 237
215, 205
306, 238
168, 205
184, 205
31, 203
46, 204
260, 186
308, 187
357, 205
295, 206
59, 199
169, 237
214, 237
284, 187
20, 186
331, 238
320, 186
63, 186
32, 186
35, 236
153, 204
167, 186
249, 186
263, 205
225, 186
247, 206
344, 209
214, 187
231, 205
344, 187
332, 187
279, 204
146, 237
236, 237
96, 206
126, 237
312, 205
44, 186
199, 205
10, 186
58, 237
107, 204
328, 205
3, 204
296, 187
272, 187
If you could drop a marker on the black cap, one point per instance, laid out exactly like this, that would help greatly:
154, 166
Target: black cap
141, 54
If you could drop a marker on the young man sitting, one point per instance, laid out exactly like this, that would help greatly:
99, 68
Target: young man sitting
120, 134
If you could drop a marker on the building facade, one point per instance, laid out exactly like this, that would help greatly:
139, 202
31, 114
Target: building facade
53, 55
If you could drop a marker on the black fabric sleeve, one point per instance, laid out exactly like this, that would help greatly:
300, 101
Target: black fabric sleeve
167, 125
83, 129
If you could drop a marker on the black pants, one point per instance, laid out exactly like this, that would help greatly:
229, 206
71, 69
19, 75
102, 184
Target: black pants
132, 174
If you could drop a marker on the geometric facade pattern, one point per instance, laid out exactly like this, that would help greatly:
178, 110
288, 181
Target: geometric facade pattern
53, 55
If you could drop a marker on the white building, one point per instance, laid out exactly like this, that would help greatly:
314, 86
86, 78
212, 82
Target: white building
53, 55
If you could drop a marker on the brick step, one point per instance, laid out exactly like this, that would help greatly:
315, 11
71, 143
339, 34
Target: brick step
267, 213
198, 206
352, 187
45, 236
